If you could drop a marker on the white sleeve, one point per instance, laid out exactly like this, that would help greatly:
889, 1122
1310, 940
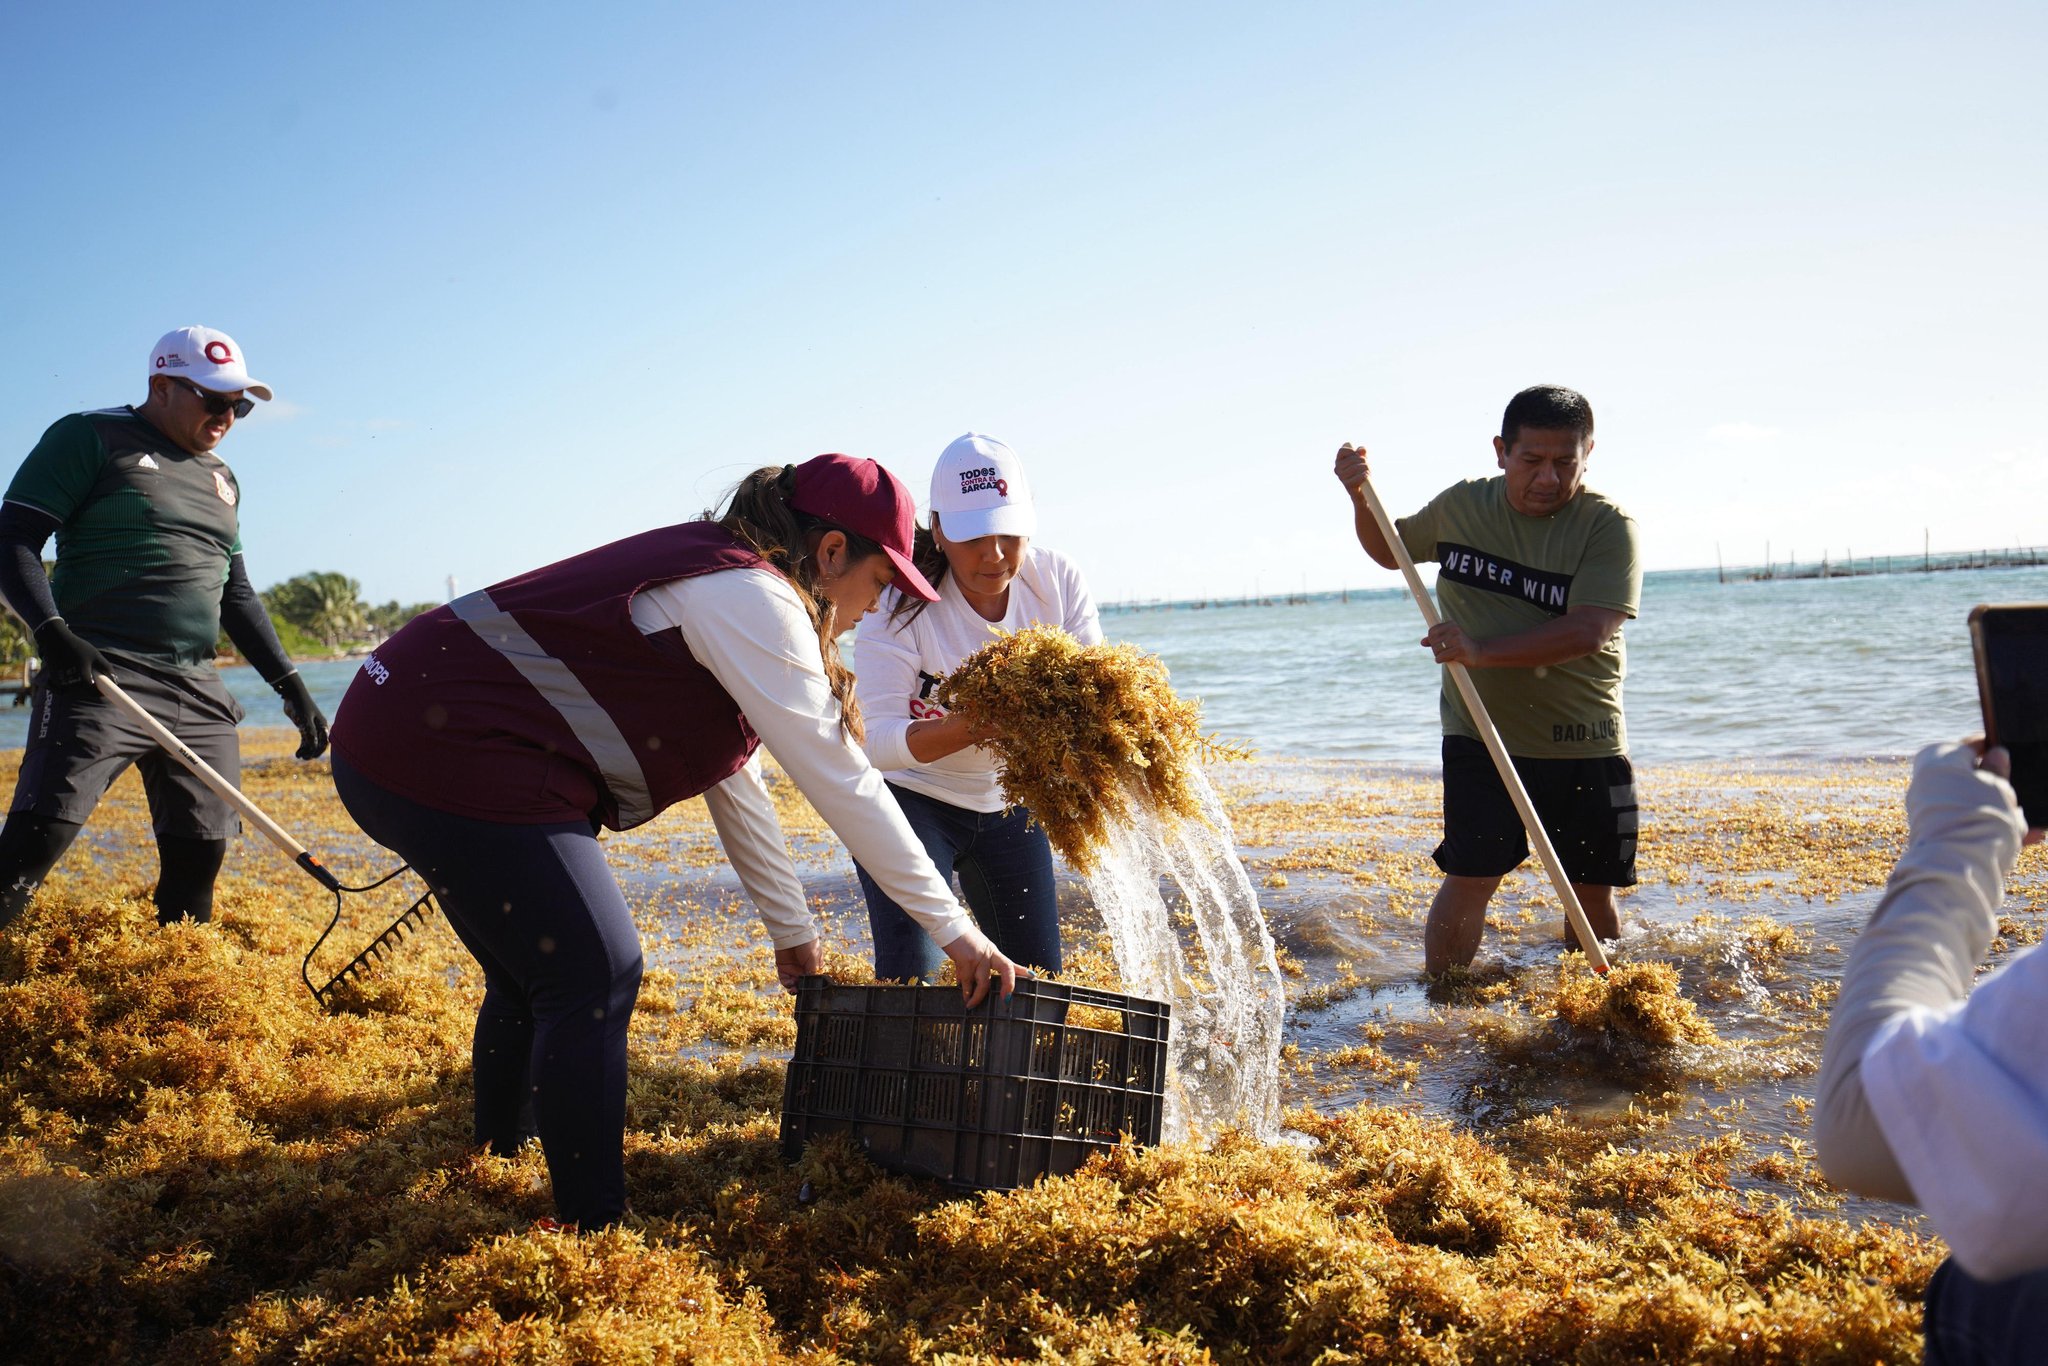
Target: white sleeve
1962, 1097
885, 681
1929, 1091
744, 815
749, 629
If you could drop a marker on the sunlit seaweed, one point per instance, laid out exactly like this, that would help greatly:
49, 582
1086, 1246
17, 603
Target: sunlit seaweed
1081, 731
197, 1165
1635, 1000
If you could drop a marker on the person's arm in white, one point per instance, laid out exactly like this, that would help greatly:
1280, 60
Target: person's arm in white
1930, 1093
744, 815
748, 628
886, 659
884, 681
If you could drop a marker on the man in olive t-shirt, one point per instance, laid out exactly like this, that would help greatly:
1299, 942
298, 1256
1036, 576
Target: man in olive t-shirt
149, 574
1536, 575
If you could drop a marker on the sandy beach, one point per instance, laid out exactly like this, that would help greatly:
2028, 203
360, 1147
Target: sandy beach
199, 1165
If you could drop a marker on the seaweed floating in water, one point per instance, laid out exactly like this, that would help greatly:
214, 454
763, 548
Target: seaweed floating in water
1636, 1000
1082, 731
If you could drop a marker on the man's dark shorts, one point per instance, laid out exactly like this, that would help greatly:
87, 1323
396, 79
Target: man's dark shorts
79, 743
1588, 808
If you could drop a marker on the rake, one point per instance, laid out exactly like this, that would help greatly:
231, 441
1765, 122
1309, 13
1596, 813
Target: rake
413, 918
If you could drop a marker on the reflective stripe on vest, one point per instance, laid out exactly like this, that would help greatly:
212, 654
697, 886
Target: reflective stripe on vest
591, 724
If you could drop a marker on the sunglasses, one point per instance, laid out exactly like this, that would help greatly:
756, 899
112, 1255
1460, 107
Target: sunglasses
216, 404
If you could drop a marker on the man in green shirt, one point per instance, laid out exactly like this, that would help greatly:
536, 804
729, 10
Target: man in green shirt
149, 573
1536, 575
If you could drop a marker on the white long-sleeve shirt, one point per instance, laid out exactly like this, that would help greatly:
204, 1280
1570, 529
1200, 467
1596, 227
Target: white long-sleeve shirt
898, 667
1931, 1092
749, 628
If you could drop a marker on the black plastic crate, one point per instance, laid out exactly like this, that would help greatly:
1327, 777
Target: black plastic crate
986, 1099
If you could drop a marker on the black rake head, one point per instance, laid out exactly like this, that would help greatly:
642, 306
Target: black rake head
412, 919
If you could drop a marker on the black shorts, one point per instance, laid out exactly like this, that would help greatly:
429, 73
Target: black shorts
79, 743
1587, 806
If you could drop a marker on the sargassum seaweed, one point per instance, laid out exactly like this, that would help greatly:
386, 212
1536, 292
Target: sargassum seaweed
1638, 1000
1083, 731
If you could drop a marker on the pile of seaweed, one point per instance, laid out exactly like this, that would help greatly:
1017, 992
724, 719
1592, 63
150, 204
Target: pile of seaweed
1638, 1001
198, 1165
1081, 731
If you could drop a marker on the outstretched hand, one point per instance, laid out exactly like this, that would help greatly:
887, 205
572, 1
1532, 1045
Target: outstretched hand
977, 962
799, 960
303, 712
1352, 470
1996, 760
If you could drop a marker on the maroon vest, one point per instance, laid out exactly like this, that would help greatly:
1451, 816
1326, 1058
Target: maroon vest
538, 700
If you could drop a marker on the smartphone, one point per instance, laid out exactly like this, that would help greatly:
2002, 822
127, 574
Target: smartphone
2011, 645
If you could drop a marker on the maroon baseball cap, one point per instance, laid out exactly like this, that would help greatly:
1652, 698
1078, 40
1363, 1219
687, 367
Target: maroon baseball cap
861, 496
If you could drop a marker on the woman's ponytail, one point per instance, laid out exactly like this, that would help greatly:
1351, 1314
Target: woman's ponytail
759, 513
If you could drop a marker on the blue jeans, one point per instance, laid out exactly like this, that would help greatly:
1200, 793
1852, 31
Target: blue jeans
1969, 1322
1005, 867
539, 909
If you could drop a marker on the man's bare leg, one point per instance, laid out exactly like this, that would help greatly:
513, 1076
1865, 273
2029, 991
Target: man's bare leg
1598, 904
1457, 918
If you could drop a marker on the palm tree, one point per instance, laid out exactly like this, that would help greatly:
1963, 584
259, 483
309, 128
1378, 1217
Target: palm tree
326, 606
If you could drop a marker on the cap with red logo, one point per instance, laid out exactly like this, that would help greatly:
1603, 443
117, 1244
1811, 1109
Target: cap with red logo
209, 359
861, 496
979, 490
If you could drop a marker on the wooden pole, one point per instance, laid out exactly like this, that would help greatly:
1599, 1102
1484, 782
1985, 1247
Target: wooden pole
1539, 839
222, 788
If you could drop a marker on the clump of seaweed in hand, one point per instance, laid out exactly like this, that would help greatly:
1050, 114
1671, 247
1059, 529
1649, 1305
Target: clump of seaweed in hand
1082, 731
1634, 1000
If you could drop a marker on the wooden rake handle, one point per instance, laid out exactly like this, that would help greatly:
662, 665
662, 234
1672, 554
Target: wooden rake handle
1539, 840
222, 788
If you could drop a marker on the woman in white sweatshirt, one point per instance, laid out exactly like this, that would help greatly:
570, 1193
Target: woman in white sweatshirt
1933, 1085
989, 576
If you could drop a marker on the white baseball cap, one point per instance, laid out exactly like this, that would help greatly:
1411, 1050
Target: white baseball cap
209, 359
979, 490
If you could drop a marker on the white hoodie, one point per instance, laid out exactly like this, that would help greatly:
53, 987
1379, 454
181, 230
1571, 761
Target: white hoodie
898, 667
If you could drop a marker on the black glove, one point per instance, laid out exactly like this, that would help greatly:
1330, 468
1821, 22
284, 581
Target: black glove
298, 706
70, 663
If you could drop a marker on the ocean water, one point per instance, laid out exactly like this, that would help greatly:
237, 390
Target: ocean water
1810, 669
1802, 669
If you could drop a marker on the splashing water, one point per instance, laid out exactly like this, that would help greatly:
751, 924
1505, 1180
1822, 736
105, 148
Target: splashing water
1223, 1057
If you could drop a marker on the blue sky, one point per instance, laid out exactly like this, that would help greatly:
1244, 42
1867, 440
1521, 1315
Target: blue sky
526, 279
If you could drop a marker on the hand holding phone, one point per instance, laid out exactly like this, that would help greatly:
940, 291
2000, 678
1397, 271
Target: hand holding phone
2010, 643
